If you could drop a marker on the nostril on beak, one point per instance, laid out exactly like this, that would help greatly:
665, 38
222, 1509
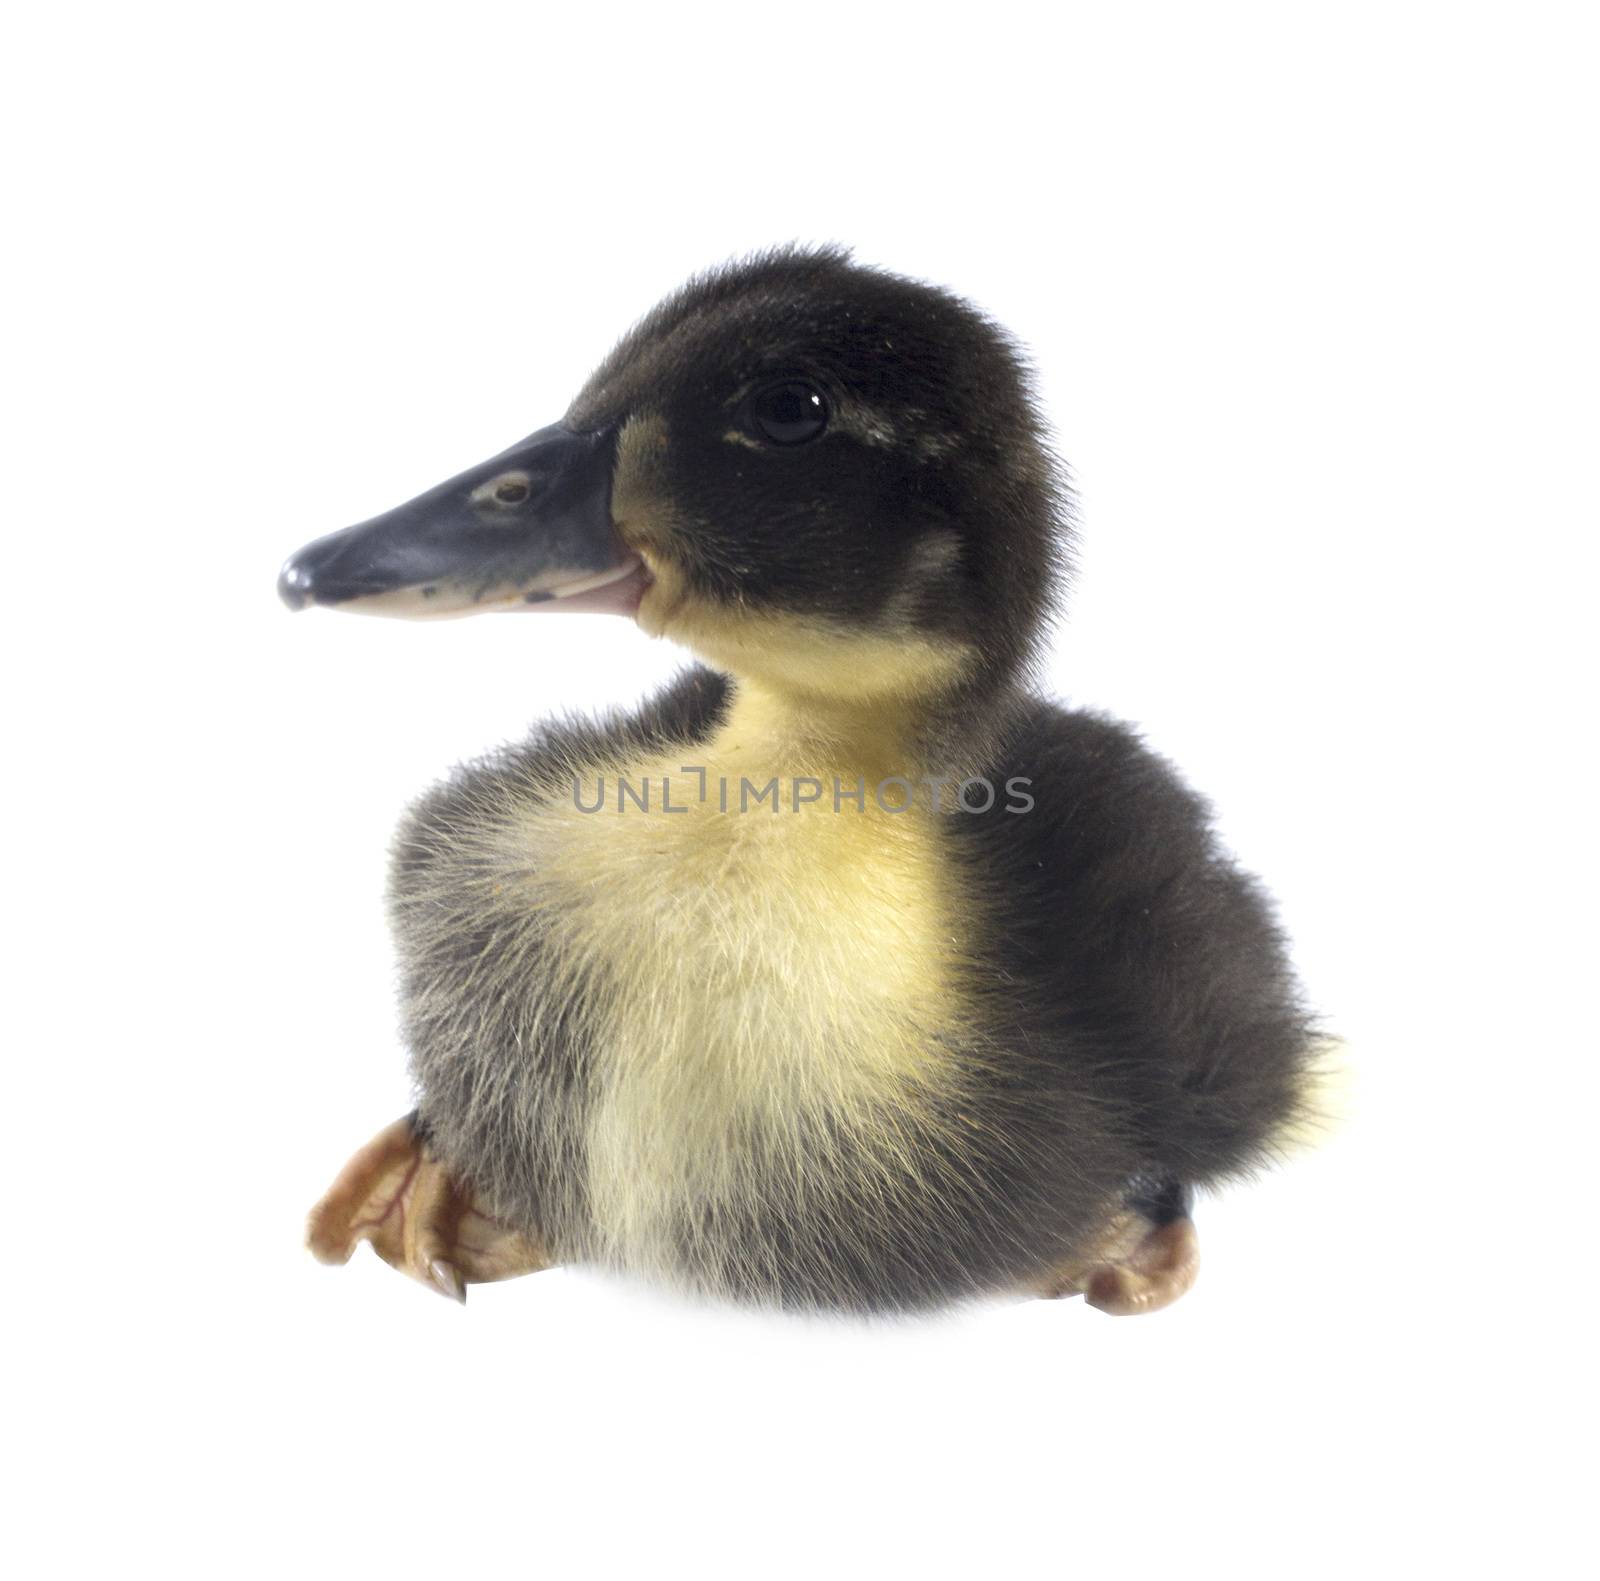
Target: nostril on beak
294, 585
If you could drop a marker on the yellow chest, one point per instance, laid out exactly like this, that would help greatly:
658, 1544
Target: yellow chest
752, 971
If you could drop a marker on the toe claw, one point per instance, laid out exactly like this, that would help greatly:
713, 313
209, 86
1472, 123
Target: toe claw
446, 1279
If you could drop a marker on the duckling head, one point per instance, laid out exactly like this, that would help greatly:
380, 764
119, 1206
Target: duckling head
825, 479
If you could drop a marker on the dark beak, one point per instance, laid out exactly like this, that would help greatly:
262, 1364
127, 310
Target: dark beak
529, 529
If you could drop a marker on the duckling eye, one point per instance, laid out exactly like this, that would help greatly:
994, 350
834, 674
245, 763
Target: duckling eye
791, 413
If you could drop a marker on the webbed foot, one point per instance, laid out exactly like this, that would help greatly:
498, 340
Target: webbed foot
395, 1195
1148, 1256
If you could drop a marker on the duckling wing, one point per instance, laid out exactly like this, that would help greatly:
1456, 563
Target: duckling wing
1150, 961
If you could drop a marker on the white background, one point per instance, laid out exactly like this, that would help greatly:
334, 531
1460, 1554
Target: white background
1312, 291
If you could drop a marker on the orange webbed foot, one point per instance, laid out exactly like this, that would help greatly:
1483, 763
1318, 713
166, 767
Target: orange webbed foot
1136, 1267
395, 1195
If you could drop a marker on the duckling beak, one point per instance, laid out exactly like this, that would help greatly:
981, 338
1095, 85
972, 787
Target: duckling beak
529, 529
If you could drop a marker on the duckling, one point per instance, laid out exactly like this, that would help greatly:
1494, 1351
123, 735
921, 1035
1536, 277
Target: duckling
849, 972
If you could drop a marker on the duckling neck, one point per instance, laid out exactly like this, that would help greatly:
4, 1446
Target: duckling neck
874, 739
804, 734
